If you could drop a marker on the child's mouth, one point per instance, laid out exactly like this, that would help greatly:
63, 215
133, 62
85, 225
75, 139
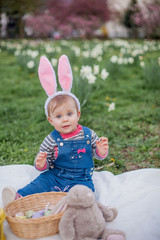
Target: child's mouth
66, 126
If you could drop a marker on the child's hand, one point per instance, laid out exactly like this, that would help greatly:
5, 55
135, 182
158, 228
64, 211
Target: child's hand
41, 160
102, 145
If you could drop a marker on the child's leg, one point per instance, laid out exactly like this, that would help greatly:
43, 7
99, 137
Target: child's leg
41, 184
9, 194
45, 182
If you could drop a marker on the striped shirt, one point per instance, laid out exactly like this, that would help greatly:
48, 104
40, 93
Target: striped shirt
50, 146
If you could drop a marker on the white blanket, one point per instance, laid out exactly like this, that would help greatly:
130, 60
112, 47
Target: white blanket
136, 194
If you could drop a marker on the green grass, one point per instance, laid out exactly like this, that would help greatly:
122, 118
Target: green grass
133, 129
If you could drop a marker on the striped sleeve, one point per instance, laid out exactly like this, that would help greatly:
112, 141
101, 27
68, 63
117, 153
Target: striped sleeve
48, 146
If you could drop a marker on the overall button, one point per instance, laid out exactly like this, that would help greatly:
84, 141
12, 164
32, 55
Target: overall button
61, 144
88, 142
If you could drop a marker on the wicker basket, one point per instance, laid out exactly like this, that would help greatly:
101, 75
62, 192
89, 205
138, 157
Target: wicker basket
36, 227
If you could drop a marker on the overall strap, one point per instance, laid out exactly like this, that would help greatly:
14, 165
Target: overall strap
87, 132
56, 135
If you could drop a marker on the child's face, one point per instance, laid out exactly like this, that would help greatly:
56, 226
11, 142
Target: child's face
65, 117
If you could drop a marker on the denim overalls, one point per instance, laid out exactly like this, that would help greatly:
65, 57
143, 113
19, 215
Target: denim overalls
74, 165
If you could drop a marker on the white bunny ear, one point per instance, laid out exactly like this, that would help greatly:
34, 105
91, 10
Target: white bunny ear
47, 76
65, 73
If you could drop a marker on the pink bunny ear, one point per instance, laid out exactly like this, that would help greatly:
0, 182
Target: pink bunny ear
65, 73
47, 76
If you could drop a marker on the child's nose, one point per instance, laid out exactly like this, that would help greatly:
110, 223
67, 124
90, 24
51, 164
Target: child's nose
65, 118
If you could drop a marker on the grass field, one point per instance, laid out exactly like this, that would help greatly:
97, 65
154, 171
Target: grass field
124, 105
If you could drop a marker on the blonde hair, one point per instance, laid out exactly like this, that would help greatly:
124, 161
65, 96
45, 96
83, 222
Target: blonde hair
57, 101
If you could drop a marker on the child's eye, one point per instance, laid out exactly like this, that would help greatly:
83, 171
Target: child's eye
58, 116
69, 114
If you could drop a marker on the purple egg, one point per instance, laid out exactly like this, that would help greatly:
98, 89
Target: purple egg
41, 211
37, 215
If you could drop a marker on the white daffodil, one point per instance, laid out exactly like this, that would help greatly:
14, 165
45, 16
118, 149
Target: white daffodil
49, 49
76, 50
97, 51
85, 71
96, 69
58, 49
34, 54
85, 54
91, 78
54, 62
99, 58
114, 59
104, 74
30, 64
131, 60
17, 53
111, 107
120, 60
142, 64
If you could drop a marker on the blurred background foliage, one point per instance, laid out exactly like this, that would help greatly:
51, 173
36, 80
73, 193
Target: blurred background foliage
116, 80
78, 18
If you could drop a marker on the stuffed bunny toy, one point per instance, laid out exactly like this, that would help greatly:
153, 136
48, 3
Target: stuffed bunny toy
84, 218
47, 78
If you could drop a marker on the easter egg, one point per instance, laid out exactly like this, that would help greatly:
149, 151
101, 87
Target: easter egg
48, 212
29, 213
41, 212
19, 214
22, 217
37, 215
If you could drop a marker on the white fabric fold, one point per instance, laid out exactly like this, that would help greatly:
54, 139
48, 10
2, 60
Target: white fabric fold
135, 194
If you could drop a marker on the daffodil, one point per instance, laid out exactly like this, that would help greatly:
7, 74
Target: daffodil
107, 98
30, 64
113, 160
111, 107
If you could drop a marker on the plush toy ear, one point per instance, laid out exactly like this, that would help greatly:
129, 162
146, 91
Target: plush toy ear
65, 73
47, 76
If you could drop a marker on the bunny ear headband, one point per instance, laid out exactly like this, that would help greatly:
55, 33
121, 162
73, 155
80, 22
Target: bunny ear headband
47, 78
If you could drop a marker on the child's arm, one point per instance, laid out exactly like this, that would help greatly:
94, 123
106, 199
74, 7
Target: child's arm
47, 154
99, 146
102, 146
41, 161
